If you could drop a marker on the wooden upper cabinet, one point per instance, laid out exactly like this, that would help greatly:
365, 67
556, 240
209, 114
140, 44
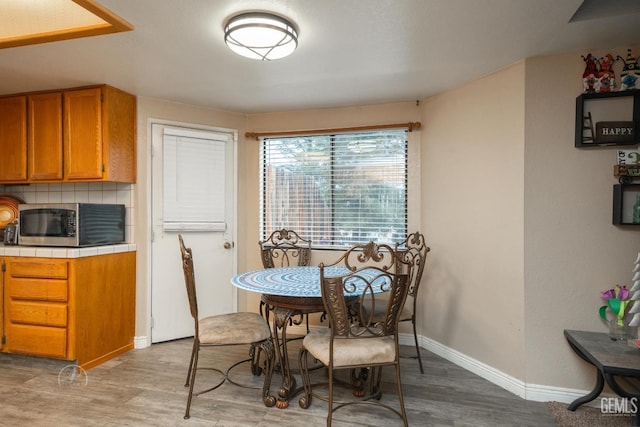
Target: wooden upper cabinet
13, 139
83, 134
45, 136
99, 132
75, 135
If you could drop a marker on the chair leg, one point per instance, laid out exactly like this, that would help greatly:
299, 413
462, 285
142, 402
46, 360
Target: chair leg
330, 402
303, 363
193, 369
375, 386
400, 397
193, 354
254, 355
415, 338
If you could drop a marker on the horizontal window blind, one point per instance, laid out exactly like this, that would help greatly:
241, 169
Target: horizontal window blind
337, 190
193, 180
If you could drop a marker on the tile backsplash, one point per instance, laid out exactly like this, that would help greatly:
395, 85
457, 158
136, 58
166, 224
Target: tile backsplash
81, 192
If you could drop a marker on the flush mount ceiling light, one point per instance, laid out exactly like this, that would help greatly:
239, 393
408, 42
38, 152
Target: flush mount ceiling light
260, 36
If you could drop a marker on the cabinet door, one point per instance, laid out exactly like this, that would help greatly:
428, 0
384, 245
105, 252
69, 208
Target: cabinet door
35, 340
13, 138
45, 136
82, 134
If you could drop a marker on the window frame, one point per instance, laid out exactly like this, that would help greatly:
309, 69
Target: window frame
334, 138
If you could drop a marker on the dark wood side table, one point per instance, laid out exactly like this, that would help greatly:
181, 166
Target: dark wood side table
615, 362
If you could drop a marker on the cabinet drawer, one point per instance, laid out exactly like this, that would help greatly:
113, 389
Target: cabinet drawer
38, 268
38, 289
37, 340
38, 313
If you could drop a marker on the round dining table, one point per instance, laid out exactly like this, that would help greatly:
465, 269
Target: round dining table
298, 282
288, 293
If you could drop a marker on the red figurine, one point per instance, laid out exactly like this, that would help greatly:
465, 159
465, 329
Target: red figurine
606, 75
590, 75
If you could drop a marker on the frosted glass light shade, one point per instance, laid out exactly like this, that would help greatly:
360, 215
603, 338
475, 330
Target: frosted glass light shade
260, 36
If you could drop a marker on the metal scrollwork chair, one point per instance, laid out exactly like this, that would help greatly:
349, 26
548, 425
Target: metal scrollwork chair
224, 330
283, 248
413, 249
354, 340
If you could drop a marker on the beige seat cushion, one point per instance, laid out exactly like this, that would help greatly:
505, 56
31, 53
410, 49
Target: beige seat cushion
233, 328
350, 352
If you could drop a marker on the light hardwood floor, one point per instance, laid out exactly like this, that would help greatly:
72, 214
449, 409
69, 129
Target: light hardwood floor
146, 388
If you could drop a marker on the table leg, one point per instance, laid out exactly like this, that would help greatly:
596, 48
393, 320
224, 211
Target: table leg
280, 321
596, 390
620, 391
589, 397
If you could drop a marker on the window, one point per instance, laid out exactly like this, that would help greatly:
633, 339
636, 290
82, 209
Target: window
337, 190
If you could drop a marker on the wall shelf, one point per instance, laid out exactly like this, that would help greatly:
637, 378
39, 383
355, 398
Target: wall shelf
608, 119
624, 197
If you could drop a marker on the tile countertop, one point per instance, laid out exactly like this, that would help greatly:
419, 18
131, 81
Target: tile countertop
57, 252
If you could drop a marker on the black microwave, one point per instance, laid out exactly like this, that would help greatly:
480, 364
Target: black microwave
70, 224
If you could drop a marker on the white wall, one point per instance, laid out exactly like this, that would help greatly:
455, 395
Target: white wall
519, 222
572, 250
472, 299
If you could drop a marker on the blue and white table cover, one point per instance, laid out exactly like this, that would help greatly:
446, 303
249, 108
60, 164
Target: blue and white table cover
288, 281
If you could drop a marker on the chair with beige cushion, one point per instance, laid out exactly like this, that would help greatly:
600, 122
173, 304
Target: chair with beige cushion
353, 339
414, 250
224, 330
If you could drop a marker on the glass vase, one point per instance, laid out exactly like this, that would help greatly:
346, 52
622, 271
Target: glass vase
622, 332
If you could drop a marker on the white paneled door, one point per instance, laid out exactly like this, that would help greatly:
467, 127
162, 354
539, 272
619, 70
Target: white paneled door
193, 194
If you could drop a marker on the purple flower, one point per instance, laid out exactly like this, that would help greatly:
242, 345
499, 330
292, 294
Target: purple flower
620, 292
617, 301
609, 294
623, 293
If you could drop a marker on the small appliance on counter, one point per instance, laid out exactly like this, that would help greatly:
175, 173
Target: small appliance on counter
11, 234
71, 224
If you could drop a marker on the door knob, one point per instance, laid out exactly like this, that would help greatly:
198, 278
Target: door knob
228, 245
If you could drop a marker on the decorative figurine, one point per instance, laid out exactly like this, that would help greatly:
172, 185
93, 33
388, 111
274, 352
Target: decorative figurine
635, 293
606, 75
590, 74
630, 74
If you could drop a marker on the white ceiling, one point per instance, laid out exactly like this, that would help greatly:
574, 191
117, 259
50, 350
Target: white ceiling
350, 52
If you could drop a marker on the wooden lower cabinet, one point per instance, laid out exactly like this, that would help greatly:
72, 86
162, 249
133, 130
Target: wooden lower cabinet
80, 309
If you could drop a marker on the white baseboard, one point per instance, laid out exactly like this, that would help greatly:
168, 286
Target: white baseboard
533, 392
141, 342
